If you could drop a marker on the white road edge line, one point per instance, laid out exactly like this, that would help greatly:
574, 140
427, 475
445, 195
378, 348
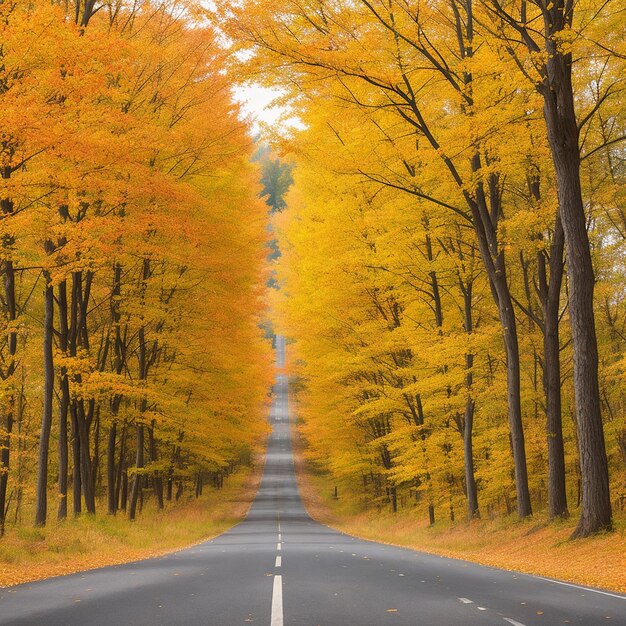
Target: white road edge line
279, 561
466, 601
560, 582
277, 602
512, 621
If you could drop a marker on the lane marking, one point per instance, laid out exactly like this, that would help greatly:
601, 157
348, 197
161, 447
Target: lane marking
279, 561
512, 621
277, 602
278, 547
481, 608
466, 601
279, 537
560, 582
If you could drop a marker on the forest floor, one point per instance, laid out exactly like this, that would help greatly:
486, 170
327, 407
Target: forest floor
533, 547
28, 553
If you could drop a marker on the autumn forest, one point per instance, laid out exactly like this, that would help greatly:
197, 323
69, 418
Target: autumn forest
453, 248
132, 360
438, 228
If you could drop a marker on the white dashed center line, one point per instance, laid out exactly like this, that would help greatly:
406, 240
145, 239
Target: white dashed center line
278, 547
279, 561
466, 601
277, 602
512, 621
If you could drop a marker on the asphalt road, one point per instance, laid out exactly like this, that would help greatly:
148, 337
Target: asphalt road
280, 567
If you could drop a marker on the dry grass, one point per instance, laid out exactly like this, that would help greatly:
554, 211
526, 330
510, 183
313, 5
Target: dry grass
533, 547
28, 553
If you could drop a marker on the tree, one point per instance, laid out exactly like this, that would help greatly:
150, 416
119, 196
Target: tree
554, 82
132, 253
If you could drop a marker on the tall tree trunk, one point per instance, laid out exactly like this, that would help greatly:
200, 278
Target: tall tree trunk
158, 480
493, 258
124, 491
113, 476
563, 137
95, 461
79, 338
5, 458
64, 400
170, 482
86, 467
468, 450
468, 416
7, 208
557, 493
120, 468
136, 491
77, 488
46, 417
139, 454
549, 291
137, 479
111, 469
63, 448
5, 440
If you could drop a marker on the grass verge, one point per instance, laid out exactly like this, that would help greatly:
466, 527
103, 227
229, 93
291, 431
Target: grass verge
533, 547
28, 553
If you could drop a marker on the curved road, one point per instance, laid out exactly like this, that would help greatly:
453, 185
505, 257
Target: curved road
280, 567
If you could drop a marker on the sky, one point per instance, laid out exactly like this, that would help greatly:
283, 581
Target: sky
256, 102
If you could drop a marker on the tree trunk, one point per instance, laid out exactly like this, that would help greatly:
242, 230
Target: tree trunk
64, 400
10, 312
77, 488
95, 461
86, 467
170, 483
516, 428
549, 292
120, 469
468, 450
46, 417
550, 299
137, 479
63, 447
563, 138
111, 469
4, 467
493, 259
470, 405
136, 491
5, 442
158, 481
124, 491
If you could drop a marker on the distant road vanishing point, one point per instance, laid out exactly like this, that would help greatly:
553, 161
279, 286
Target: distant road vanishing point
280, 567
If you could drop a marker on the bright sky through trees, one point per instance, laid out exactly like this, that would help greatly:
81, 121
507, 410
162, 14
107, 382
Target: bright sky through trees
260, 104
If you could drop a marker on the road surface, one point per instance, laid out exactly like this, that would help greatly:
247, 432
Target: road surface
280, 567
